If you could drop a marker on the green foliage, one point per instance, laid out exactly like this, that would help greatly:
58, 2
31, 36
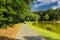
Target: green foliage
46, 17
13, 11
32, 17
49, 15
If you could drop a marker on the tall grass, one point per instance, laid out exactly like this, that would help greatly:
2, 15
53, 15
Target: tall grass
51, 26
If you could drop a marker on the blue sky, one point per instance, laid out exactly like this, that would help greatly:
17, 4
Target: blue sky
38, 5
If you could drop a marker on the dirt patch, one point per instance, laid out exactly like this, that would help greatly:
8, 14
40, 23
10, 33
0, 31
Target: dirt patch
10, 32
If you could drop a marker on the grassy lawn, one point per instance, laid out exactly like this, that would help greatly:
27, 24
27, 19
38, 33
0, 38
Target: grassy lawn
45, 33
10, 32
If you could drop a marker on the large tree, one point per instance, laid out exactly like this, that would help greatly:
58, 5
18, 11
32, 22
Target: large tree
13, 11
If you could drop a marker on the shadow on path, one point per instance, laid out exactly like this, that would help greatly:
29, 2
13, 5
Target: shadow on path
6, 38
38, 38
27, 38
33, 38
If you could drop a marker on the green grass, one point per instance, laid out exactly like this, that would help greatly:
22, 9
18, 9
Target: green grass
53, 26
44, 32
17, 25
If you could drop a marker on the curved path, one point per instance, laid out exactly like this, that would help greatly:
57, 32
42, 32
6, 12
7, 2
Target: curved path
25, 33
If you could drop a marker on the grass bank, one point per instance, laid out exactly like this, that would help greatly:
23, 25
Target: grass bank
51, 26
45, 33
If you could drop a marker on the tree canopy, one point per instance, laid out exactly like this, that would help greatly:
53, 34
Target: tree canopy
13, 11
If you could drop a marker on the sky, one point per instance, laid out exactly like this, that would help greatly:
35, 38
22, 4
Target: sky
38, 5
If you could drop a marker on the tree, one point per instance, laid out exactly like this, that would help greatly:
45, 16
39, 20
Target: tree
13, 11
46, 17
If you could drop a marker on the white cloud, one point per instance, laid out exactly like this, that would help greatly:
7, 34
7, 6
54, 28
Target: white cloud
59, 2
58, 6
47, 1
54, 7
34, 2
44, 2
36, 5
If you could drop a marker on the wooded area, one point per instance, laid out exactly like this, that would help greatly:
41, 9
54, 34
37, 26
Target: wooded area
49, 15
16, 11
13, 11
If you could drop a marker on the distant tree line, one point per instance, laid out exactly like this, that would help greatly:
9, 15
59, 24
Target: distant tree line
16, 11
49, 15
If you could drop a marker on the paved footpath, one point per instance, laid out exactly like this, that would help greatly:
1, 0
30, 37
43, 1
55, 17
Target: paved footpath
25, 33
